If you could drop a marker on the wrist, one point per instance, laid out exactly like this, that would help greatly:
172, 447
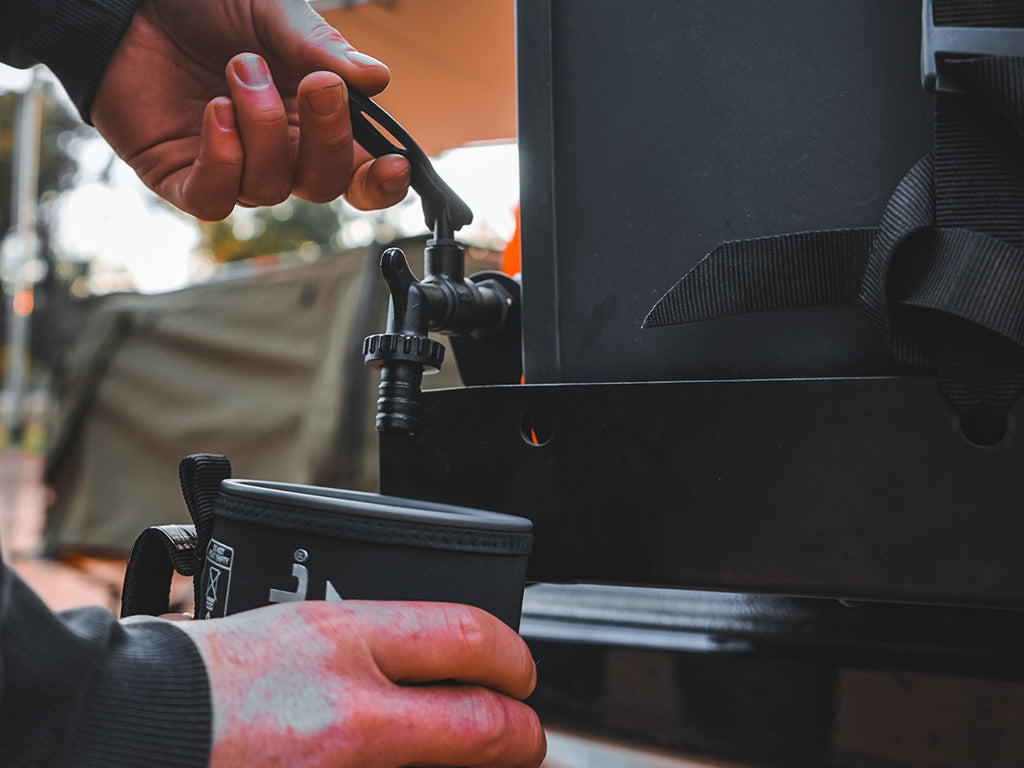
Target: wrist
75, 39
154, 679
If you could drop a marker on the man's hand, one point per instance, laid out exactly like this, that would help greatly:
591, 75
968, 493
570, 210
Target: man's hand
214, 103
368, 684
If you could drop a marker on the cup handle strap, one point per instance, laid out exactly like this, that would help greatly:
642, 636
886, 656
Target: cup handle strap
156, 554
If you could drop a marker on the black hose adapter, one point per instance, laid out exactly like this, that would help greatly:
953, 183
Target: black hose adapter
445, 302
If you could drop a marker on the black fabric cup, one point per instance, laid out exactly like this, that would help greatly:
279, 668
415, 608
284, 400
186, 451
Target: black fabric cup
280, 542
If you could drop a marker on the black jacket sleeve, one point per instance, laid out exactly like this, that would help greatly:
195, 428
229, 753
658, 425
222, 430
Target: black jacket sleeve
84, 690
74, 38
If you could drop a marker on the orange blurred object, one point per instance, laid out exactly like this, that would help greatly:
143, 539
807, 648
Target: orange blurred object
452, 65
23, 302
511, 259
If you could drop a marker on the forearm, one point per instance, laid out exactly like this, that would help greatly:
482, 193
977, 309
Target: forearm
74, 38
83, 689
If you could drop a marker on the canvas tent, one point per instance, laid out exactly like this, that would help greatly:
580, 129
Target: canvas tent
265, 369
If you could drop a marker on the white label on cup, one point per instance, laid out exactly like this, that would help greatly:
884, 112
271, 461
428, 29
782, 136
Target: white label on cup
219, 558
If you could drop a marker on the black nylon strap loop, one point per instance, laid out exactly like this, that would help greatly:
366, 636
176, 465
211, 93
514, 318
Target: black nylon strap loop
909, 210
975, 274
161, 550
973, 277
156, 554
200, 475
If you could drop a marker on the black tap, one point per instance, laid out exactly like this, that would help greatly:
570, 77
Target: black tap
444, 301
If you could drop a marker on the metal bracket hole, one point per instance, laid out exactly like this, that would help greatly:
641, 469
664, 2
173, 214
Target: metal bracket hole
536, 429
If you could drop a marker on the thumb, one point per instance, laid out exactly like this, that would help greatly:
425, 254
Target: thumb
301, 38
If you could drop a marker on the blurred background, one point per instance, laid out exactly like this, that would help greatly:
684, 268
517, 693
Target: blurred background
134, 334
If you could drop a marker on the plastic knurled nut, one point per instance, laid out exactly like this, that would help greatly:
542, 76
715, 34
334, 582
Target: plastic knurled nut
384, 347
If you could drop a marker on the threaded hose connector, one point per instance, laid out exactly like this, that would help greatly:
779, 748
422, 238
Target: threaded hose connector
402, 360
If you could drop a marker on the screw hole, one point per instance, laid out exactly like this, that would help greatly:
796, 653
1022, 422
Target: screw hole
536, 429
983, 428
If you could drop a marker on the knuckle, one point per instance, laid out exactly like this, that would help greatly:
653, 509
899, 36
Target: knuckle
325, 34
262, 118
334, 145
467, 626
231, 162
489, 726
317, 195
265, 194
327, 144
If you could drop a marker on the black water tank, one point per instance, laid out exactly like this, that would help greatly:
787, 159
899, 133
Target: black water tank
652, 130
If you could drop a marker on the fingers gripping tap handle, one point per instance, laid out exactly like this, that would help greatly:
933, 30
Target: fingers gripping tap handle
443, 211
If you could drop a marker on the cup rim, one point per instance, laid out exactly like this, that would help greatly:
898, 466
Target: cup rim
375, 505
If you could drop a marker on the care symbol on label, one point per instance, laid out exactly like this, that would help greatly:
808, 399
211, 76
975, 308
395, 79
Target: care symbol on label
219, 559
211, 591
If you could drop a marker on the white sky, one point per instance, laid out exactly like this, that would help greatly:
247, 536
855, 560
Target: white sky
134, 240
12, 79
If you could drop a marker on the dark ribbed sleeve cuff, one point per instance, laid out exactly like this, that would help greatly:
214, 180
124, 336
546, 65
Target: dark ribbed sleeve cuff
74, 38
148, 705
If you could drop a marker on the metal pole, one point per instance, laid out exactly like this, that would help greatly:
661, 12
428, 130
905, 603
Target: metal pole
20, 248
17, 257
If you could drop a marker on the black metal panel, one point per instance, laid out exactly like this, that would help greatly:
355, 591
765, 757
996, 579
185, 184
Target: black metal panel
926, 639
855, 488
536, 169
653, 130
773, 681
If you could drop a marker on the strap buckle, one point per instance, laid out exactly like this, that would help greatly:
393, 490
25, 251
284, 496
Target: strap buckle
938, 43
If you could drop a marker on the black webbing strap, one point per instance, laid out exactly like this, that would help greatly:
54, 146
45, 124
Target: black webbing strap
979, 187
156, 554
781, 272
161, 550
978, 13
961, 273
942, 279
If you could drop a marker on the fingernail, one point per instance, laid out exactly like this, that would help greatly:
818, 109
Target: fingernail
362, 59
326, 101
251, 70
225, 115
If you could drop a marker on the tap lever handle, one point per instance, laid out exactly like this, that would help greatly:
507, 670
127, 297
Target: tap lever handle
399, 277
443, 211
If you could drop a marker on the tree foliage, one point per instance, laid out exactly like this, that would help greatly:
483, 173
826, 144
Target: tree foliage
263, 231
